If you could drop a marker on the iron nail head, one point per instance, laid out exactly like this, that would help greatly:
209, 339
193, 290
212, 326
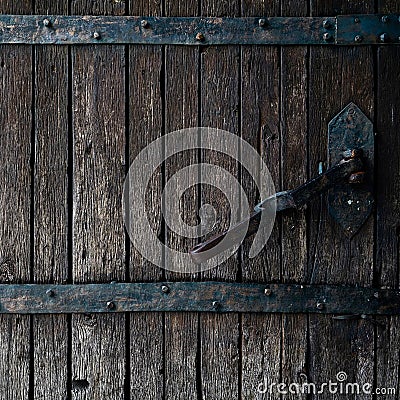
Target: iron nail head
383, 38
327, 36
262, 22
200, 37
358, 39
96, 35
320, 306
357, 20
268, 291
216, 305
165, 289
144, 23
110, 305
46, 22
385, 19
50, 293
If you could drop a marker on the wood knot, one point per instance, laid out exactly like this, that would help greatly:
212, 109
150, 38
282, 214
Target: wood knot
89, 320
6, 270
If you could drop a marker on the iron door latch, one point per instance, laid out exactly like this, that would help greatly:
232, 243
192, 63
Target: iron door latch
348, 180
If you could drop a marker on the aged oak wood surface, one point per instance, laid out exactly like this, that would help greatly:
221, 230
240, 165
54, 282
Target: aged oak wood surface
50, 191
387, 272
219, 334
261, 335
182, 353
294, 158
15, 202
98, 342
145, 122
72, 120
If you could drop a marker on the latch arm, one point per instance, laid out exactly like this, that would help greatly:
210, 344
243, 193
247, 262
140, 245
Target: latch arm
295, 198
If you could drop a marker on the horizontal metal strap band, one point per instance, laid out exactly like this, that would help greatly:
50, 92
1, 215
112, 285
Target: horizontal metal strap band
63, 29
197, 297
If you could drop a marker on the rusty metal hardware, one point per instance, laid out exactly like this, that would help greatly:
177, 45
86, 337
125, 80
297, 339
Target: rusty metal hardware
350, 201
295, 198
351, 205
76, 29
221, 297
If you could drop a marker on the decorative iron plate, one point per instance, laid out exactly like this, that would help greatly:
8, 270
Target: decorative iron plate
351, 204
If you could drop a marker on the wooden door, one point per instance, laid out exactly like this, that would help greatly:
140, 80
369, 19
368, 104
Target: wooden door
74, 117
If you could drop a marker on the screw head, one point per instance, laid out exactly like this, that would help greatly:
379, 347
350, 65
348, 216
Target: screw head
200, 37
50, 293
144, 23
262, 22
46, 22
320, 306
327, 36
268, 291
358, 39
383, 38
110, 305
165, 289
357, 20
96, 35
385, 19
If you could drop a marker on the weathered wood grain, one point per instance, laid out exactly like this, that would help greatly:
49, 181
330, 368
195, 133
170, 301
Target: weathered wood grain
145, 91
387, 272
338, 76
260, 105
219, 94
181, 111
15, 198
98, 342
294, 159
50, 333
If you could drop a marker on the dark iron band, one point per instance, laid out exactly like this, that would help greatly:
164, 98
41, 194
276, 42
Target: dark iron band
198, 297
62, 29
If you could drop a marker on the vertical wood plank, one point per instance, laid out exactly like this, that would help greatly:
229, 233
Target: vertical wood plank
50, 332
145, 125
294, 162
338, 76
387, 269
15, 203
98, 342
219, 109
181, 111
261, 334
